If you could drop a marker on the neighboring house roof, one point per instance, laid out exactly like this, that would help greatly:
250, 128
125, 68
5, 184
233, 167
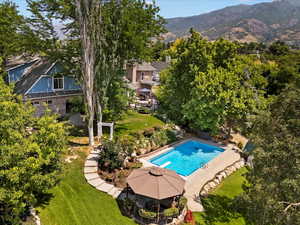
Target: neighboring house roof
33, 74
159, 66
145, 67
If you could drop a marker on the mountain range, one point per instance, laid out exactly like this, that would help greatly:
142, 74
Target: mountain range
264, 22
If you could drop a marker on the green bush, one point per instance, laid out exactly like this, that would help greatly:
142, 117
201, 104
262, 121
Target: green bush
182, 202
114, 152
171, 135
136, 165
149, 132
126, 145
160, 138
144, 110
171, 212
110, 157
77, 105
240, 145
147, 214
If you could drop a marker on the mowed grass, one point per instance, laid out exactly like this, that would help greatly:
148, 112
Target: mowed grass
75, 202
218, 205
134, 122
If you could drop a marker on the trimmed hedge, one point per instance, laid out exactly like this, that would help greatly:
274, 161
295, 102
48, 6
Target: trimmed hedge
147, 214
171, 212
182, 202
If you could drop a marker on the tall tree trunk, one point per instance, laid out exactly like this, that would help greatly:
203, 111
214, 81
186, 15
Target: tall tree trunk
85, 19
99, 119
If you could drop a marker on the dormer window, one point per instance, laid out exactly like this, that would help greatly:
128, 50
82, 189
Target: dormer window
58, 83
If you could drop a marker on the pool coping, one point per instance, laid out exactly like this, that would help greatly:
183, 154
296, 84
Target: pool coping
145, 158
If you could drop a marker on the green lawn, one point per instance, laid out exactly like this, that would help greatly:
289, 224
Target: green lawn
218, 205
134, 122
75, 202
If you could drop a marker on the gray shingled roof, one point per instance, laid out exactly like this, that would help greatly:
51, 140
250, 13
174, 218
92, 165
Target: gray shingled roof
32, 75
159, 66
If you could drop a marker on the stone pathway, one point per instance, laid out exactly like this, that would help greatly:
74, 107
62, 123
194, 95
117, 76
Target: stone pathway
92, 177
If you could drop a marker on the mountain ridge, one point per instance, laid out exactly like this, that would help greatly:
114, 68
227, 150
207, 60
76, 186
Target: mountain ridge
264, 22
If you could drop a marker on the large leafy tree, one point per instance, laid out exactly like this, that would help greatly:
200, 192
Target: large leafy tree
272, 196
127, 28
101, 37
16, 36
30, 153
213, 85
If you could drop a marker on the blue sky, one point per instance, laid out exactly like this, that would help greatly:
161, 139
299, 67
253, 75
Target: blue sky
178, 8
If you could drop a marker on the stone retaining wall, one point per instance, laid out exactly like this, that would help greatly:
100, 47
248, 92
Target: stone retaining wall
219, 177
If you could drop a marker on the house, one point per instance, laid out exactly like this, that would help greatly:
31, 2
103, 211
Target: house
144, 76
39, 82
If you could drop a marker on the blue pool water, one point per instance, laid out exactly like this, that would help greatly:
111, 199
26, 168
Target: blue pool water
186, 158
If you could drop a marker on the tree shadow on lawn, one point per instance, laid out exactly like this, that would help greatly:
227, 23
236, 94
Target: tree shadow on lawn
44, 199
219, 209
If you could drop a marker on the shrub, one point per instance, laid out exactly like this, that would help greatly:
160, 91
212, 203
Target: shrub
109, 156
149, 132
158, 128
171, 212
160, 138
171, 135
182, 202
114, 153
240, 145
147, 214
144, 110
126, 205
126, 145
77, 105
135, 165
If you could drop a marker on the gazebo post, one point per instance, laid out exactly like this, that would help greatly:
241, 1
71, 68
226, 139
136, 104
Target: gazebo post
158, 209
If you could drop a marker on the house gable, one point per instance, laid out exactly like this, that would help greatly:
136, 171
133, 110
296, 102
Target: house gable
45, 84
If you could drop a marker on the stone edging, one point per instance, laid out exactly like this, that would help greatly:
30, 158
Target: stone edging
220, 176
36, 217
92, 177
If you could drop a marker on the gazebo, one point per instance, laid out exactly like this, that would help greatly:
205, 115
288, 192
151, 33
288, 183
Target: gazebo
156, 183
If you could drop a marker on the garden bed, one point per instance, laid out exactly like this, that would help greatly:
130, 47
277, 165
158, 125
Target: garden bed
119, 157
118, 176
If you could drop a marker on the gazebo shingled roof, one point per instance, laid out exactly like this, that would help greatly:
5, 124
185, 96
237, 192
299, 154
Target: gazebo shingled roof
157, 183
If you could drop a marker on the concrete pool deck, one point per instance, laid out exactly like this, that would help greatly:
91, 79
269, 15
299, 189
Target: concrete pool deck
197, 179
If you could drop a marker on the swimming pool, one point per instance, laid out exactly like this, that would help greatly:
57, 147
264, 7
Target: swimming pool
186, 158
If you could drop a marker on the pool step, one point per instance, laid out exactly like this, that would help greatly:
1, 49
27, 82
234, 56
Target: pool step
165, 164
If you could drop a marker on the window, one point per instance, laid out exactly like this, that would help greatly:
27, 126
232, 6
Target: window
35, 103
49, 102
143, 74
58, 83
